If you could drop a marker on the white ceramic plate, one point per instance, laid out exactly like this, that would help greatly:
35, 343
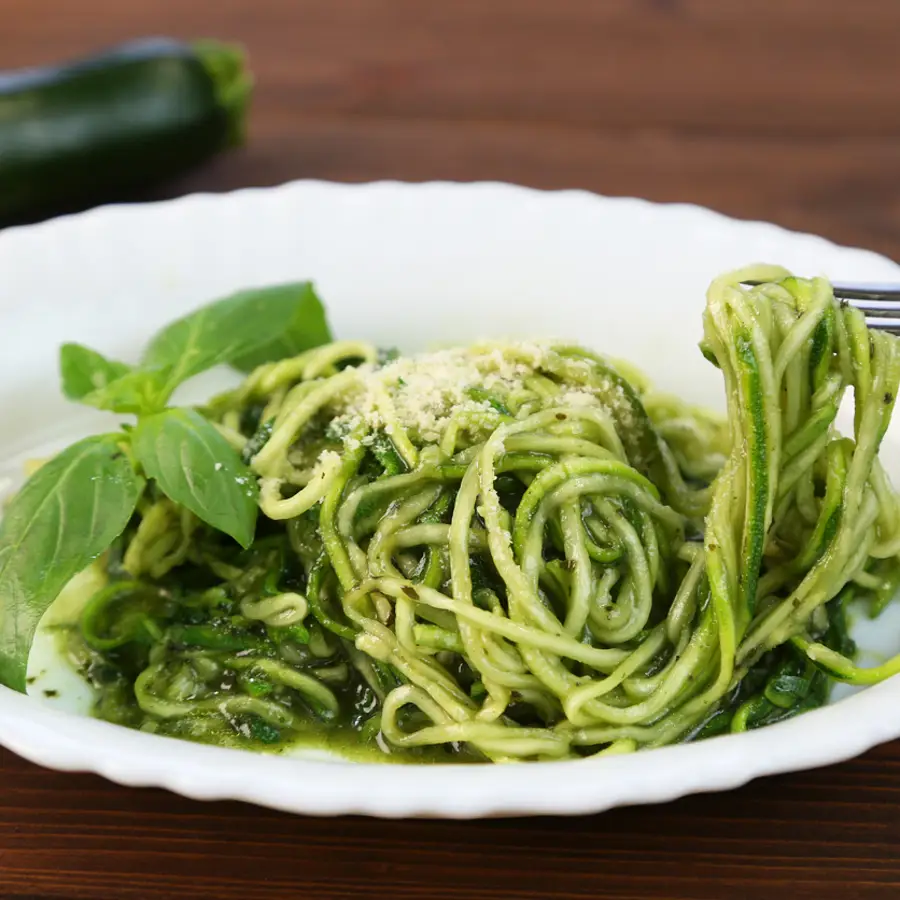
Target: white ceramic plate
409, 266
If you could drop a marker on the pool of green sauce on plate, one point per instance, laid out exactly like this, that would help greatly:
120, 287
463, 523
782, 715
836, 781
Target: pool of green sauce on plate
349, 734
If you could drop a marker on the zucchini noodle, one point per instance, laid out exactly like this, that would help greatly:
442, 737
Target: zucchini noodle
520, 551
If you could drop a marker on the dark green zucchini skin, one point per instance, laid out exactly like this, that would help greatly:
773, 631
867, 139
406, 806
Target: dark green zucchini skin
91, 131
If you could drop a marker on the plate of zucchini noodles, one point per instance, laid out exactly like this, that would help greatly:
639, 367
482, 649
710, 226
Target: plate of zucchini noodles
442, 500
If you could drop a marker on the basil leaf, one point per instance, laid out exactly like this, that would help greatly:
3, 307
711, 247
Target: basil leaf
196, 467
65, 516
308, 329
226, 330
91, 378
84, 371
139, 391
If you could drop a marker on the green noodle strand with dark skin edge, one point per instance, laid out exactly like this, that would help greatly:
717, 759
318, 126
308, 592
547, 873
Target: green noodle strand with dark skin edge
556, 561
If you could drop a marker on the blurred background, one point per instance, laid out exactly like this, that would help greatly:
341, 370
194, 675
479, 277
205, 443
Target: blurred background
778, 109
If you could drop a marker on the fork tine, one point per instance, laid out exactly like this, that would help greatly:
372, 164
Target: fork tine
876, 300
884, 323
874, 308
885, 292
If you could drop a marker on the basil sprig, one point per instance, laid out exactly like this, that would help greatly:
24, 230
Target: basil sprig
72, 509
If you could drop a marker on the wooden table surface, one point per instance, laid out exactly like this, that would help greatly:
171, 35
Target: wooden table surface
787, 110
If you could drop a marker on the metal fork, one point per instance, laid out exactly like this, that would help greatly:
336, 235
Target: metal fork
880, 303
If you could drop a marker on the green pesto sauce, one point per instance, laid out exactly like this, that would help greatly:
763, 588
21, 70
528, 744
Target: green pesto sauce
344, 736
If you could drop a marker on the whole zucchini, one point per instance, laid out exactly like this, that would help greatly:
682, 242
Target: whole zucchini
91, 131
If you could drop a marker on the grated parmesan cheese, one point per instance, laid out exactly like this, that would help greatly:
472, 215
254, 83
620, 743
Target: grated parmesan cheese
424, 392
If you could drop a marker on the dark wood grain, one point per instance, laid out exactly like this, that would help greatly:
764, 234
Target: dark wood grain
780, 109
